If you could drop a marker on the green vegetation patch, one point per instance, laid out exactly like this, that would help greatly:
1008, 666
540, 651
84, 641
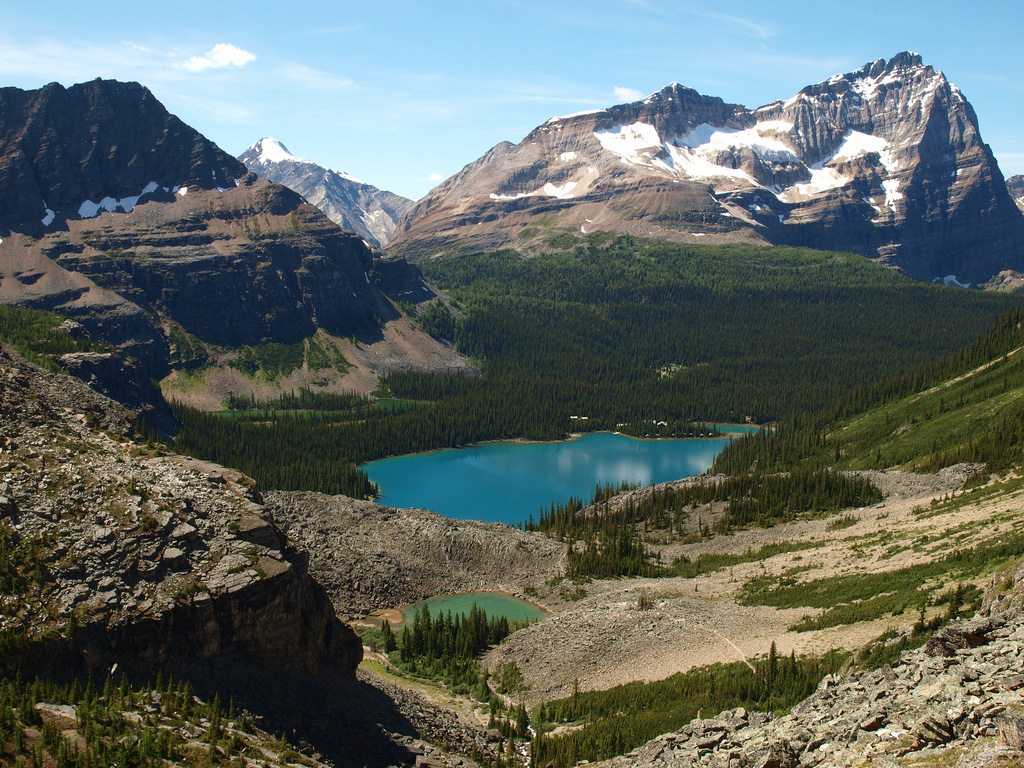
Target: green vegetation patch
965, 407
869, 596
709, 562
37, 336
135, 728
614, 721
273, 359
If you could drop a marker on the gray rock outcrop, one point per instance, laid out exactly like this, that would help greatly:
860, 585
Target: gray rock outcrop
116, 553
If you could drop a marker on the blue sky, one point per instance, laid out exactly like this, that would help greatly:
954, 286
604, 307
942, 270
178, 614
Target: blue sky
402, 94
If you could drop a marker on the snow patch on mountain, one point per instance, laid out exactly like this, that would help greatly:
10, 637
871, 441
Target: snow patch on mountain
561, 191
273, 151
269, 151
856, 144
822, 180
891, 187
636, 143
552, 120
693, 155
89, 209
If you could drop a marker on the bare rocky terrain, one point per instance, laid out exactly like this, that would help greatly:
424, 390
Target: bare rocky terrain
118, 555
371, 557
956, 701
604, 638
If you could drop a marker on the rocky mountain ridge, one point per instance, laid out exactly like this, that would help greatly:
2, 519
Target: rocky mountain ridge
159, 243
348, 202
886, 161
70, 153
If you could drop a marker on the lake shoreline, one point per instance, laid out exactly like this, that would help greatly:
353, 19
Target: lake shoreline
507, 481
725, 434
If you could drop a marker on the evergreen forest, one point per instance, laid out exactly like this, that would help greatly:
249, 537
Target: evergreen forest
645, 338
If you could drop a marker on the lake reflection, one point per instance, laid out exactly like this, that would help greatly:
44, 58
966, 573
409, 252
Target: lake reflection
507, 482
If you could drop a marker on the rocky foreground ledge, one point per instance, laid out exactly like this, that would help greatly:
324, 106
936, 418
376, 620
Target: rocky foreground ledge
114, 552
958, 701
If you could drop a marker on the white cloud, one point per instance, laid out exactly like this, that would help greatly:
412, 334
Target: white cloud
222, 55
434, 177
627, 94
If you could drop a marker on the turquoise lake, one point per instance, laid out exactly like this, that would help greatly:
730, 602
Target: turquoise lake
507, 482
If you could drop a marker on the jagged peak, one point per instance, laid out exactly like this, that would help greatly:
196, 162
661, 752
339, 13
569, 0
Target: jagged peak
905, 66
901, 64
669, 93
269, 150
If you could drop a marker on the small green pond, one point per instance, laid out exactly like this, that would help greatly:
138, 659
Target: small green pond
494, 604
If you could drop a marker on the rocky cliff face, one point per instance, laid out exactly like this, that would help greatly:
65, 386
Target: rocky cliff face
886, 161
1015, 184
116, 553
69, 153
362, 208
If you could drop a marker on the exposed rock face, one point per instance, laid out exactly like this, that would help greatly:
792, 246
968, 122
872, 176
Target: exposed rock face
124, 380
142, 557
959, 699
886, 161
348, 202
1015, 184
371, 557
177, 238
96, 146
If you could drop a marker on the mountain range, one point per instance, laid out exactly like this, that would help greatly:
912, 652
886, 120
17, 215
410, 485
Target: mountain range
886, 161
116, 214
122, 561
345, 200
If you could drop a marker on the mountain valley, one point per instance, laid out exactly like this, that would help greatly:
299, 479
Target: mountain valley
198, 352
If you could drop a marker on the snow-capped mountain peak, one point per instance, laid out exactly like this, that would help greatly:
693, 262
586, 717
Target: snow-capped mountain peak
270, 150
347, 201
886, 160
